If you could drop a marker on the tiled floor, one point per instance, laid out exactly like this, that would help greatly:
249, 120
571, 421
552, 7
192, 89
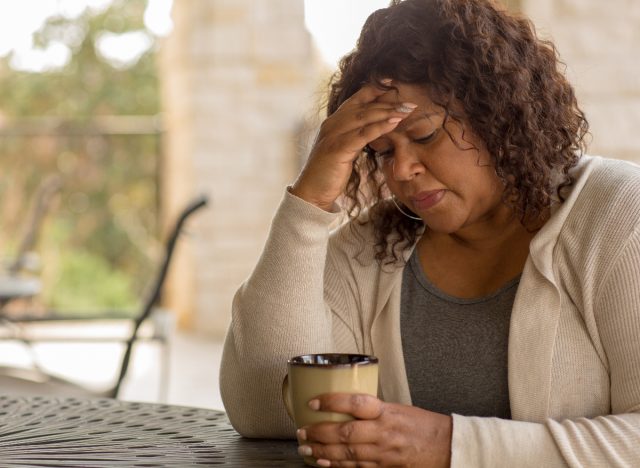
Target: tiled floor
194, 362
194, 365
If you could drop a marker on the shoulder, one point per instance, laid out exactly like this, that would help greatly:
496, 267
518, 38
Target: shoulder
600, 206
609, 192
601, 214
611, 174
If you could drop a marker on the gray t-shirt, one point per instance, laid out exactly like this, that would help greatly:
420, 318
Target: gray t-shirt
455, 350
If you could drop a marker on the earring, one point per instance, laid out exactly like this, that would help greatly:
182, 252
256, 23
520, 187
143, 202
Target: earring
416, 218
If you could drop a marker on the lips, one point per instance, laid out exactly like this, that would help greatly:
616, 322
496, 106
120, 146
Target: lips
425, 200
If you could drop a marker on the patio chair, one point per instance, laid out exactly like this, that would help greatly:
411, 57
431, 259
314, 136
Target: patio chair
14, 284
36, 381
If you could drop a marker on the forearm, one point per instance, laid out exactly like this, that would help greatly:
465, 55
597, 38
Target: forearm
499, 443
491, 442
278, 312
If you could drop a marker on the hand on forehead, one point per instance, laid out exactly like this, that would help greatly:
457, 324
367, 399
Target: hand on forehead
409, 93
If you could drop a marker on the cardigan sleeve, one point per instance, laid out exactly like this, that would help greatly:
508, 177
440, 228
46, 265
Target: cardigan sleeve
279, 312
610, 440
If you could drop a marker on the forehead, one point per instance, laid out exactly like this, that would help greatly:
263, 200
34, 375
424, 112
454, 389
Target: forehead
408, 93
416, 94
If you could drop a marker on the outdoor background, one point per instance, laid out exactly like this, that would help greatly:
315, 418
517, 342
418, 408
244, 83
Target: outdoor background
133, 108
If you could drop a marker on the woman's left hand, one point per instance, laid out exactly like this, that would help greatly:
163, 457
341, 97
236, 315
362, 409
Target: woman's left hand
383, 434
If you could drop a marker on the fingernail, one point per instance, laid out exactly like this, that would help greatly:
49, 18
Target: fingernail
305, 451
315, 403
323, 462
302, 434
406, 107
394, 120
386, 81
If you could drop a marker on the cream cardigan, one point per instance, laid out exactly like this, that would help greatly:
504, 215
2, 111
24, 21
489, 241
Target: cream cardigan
574, 341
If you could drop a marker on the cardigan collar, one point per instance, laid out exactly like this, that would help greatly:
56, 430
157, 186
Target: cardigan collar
536, 312
542, 245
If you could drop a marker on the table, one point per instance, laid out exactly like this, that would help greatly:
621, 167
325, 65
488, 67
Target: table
47, 431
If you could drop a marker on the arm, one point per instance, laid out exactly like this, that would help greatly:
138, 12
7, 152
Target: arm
280, 311
277, 313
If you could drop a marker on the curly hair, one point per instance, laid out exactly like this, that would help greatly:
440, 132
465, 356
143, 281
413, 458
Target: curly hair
468, 54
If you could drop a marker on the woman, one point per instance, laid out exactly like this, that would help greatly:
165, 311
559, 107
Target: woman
492, 268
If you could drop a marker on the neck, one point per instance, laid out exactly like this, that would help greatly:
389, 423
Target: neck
488, 234
479, 259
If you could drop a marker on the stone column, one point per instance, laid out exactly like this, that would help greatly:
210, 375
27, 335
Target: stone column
237, 80
599, 42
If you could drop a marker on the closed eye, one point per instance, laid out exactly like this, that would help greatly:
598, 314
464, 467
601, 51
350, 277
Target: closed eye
388, 153
427, 138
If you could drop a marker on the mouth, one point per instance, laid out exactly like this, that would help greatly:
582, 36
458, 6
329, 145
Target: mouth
425, 200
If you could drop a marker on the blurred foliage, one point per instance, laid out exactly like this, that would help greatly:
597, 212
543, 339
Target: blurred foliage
86, 280
98, 244
88, 85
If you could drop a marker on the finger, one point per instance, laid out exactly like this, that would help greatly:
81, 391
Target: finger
344, 122
350, 432
368, 93
378, 111
342, 453
348, 464
356, 139
359, 405
352, 142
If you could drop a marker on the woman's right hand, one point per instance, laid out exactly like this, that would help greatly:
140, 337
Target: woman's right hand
358, 121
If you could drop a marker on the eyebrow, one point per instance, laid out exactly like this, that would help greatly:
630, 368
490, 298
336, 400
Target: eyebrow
423, 116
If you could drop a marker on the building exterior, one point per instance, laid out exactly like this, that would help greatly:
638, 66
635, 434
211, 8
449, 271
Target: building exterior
599, 43
239, 78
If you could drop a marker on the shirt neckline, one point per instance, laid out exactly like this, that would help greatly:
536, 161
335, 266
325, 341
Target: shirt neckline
416, 268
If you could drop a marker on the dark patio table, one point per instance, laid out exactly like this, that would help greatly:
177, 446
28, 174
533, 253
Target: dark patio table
78, 432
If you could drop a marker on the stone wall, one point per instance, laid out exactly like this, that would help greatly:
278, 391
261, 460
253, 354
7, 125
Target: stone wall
237, 80
599, 42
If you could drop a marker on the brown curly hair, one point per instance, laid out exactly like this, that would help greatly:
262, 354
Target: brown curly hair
474, 55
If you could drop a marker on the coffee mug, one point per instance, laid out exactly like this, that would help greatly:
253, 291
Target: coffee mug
311, 375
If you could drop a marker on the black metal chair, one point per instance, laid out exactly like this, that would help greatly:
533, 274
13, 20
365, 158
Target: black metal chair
36, 381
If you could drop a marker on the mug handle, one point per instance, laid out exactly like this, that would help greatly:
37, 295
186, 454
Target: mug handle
286, 396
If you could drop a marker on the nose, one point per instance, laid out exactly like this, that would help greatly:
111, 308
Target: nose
406, 164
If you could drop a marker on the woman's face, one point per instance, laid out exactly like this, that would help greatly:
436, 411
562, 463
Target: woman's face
449, 181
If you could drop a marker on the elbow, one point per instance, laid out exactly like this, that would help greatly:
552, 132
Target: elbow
260, 427
253, 418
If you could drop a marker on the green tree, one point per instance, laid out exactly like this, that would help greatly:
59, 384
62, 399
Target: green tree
101, 236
